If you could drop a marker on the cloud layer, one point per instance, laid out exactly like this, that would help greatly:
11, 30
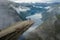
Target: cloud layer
29, 1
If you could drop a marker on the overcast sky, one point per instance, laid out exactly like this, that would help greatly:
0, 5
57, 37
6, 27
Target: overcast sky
29, 1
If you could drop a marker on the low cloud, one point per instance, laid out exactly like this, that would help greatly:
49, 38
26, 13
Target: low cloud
33, 1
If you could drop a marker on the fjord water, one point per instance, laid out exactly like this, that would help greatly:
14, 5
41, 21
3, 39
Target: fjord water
37, 13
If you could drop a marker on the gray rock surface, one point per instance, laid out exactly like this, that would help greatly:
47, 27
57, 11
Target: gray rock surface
7, 15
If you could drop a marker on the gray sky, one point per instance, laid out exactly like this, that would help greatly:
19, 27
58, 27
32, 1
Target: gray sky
55, 0
29, 1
